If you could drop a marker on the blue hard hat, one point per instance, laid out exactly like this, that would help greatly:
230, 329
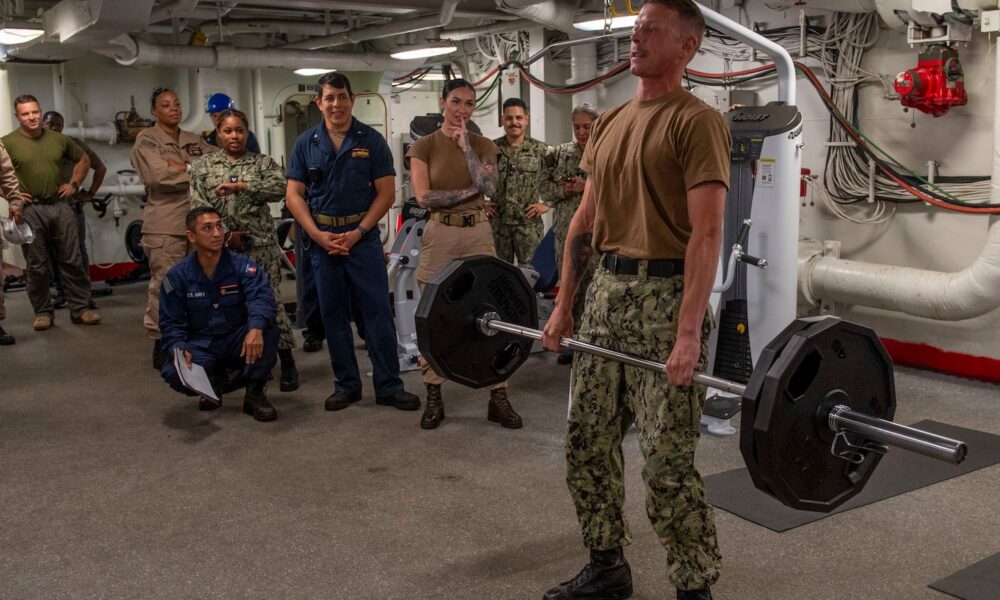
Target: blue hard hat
219, 103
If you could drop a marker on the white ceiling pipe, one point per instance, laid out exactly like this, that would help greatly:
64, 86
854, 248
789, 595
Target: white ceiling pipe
130, 51
469, 33
105, 132
782, 60
971, 292
194, 109
553, 14
264, 26
170, 10
390, 29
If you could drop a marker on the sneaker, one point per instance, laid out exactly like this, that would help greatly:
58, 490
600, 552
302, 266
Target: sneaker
255, 403
341, 400
403, 400
606, 577
87, 317
42, 322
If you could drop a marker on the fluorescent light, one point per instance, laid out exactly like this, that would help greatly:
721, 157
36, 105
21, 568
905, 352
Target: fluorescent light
407, 52
11, 36
312, 72
616, 23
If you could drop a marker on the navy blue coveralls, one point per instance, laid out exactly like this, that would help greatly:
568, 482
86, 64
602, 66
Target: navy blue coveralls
210, 317
340, 184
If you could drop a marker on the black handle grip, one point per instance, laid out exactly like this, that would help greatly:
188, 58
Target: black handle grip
760, 263
744, 233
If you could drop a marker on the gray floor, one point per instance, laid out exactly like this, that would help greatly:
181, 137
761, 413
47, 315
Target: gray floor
113, 486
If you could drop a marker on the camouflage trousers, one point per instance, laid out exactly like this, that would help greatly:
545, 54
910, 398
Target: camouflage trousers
637, 314
269, 257
517, 241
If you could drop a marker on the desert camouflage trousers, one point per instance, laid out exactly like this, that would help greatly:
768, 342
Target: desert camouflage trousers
638, 315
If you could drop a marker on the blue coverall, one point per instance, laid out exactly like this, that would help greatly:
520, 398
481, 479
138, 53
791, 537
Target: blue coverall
211, 317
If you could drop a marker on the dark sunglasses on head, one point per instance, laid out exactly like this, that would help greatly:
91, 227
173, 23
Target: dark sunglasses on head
156, 94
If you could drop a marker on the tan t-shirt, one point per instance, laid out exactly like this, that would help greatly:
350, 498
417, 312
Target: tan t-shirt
447, 167
643, 157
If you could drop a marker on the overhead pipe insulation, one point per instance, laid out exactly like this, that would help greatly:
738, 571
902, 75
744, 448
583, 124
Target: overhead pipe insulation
130, 51
390, 29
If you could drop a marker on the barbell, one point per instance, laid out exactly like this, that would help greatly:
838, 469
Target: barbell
816, 414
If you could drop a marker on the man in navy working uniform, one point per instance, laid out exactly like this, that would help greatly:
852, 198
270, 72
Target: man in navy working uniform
341, 182
218, 308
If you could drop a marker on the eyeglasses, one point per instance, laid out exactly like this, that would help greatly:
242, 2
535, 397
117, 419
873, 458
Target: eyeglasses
156, 94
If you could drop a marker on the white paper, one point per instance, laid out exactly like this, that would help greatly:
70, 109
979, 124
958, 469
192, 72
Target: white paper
195, 378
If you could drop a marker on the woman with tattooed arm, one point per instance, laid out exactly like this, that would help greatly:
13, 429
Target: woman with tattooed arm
452, 170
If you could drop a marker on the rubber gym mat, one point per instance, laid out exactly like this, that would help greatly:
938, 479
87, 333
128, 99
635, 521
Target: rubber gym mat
899, 472
981, 581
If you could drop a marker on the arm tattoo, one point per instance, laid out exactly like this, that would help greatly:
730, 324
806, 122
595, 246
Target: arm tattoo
484, 173
580, 252
447, 198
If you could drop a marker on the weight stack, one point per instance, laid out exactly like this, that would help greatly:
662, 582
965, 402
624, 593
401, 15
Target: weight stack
732, 353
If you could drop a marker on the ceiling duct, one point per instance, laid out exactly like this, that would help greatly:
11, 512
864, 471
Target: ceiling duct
131, 51
552, 14
390, 29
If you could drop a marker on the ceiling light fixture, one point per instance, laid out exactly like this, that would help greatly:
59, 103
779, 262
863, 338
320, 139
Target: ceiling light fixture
411, 51
616, 23
12, 34
313, 72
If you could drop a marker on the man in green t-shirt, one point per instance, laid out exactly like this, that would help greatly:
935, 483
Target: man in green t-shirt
36, 153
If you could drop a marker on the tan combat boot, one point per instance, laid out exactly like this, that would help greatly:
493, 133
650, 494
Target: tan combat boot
87, 317
42, 322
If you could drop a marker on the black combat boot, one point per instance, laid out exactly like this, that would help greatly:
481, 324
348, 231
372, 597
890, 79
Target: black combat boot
500, 410
434, 409
704, 593
6, 339
159, 356
289, 374
311, 343
255, 402
606, 577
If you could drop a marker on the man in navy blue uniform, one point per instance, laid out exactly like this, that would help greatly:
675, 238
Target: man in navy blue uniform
218, 308
341, 182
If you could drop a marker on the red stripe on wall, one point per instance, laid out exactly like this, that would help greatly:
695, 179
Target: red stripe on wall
911, 354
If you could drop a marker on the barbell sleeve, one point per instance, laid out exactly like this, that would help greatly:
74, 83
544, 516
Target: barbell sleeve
842, 418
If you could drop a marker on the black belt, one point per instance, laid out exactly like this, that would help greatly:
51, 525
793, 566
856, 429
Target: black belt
48, 200
623, 265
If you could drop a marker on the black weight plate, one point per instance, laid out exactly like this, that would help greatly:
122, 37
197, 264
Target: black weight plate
791, 436
447, 332
748, 410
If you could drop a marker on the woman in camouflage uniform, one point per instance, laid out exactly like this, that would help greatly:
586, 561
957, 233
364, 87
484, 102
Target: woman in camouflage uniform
565, 191
240, 184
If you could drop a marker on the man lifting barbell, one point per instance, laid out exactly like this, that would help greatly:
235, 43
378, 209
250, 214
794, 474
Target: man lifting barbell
652, 208
816, 411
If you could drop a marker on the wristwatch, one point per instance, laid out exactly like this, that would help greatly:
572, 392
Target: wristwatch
76, 186
364, 230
